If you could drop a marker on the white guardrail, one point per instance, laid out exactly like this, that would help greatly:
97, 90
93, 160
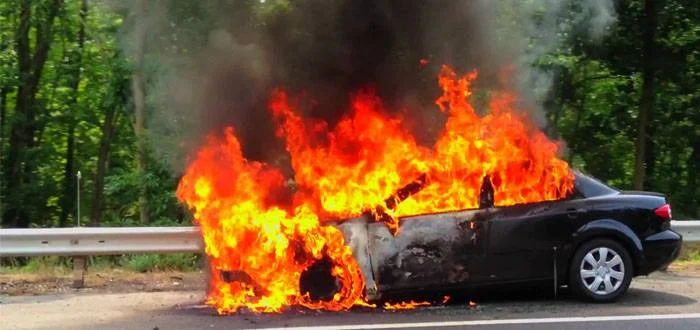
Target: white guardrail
86, 241
80, 242
689, 229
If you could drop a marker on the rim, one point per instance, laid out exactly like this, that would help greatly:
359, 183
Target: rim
602, 271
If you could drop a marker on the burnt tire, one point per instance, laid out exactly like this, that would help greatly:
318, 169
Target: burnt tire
318, 281
601, 270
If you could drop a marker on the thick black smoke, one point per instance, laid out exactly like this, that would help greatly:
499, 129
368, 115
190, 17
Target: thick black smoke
218, 60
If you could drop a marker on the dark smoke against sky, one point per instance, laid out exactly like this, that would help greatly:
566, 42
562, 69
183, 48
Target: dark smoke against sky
212, 64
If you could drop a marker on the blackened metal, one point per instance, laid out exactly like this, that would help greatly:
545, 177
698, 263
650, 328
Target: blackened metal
236, 276
436, 249
230, 276
486, 193
379, 213
406, 191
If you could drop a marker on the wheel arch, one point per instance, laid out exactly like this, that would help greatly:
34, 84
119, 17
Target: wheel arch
610, 229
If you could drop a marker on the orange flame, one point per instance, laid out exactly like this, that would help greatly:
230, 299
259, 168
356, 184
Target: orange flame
348, 169
405, 305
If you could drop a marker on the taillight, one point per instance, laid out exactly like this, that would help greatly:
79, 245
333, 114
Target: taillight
664, 212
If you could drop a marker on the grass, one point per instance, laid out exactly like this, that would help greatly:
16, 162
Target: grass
36, 265
156, 262
140, 263
690, 253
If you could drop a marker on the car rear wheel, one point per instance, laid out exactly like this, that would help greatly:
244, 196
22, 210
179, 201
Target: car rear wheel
601, 270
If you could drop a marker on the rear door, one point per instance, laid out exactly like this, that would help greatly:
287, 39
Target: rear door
523, 240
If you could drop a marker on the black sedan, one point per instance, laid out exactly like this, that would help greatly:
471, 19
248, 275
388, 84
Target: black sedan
595, 241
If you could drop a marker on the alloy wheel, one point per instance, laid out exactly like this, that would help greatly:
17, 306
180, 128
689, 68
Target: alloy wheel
602, 270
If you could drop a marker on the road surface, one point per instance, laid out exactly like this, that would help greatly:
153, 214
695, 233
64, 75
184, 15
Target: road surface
662, 300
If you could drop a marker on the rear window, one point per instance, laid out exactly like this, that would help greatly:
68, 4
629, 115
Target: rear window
587, 186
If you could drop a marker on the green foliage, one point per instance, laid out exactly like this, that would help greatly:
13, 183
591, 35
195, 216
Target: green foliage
123, 184
141, 263
41, 265
593, 106
690, 253
159, 262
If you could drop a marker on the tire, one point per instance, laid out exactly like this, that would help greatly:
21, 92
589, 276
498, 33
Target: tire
591, 279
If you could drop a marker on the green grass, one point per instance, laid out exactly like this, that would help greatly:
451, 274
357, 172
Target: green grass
155, 262
36, 265
135, 262
690, 253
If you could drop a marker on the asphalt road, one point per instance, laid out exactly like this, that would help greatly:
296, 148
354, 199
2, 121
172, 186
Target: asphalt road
662, 300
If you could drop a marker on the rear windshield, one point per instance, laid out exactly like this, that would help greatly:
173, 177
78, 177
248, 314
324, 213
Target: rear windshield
587, 186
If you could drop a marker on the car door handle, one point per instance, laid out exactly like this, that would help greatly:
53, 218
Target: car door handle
573, 213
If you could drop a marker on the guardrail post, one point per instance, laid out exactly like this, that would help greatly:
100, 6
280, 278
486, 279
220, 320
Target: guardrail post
79, 268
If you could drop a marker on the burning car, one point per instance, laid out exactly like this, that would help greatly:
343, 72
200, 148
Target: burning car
369, 210
594, 241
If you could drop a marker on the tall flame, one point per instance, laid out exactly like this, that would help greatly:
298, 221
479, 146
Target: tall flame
350, 169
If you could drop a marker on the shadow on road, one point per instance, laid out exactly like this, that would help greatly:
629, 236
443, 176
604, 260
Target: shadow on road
647, 297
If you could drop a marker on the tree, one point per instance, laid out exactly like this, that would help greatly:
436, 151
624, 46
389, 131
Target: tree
139, 95
646, 100
67, 201
115, 100
22, 134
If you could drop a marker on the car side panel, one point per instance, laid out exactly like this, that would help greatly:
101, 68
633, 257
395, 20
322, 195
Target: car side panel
435, 250
627, 218
504, 244
524, 240
660, 250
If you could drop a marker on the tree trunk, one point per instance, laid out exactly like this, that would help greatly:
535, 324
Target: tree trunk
102, 161
30, 68
139, 127
4, 90
67, 199
3, 114
646, 100
138, 90
113, 101
694, 179
69, 179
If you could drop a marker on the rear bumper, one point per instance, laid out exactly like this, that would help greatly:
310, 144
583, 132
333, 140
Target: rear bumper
660, 250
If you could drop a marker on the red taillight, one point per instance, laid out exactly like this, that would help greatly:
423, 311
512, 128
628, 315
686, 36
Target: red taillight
664, 212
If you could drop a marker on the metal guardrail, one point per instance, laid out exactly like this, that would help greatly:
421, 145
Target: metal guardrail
80, 242
689, 229
85, 241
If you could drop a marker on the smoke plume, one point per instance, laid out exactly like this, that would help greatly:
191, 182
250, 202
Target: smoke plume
212, 64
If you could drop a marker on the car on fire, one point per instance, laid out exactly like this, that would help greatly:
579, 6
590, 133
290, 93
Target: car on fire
595, 241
